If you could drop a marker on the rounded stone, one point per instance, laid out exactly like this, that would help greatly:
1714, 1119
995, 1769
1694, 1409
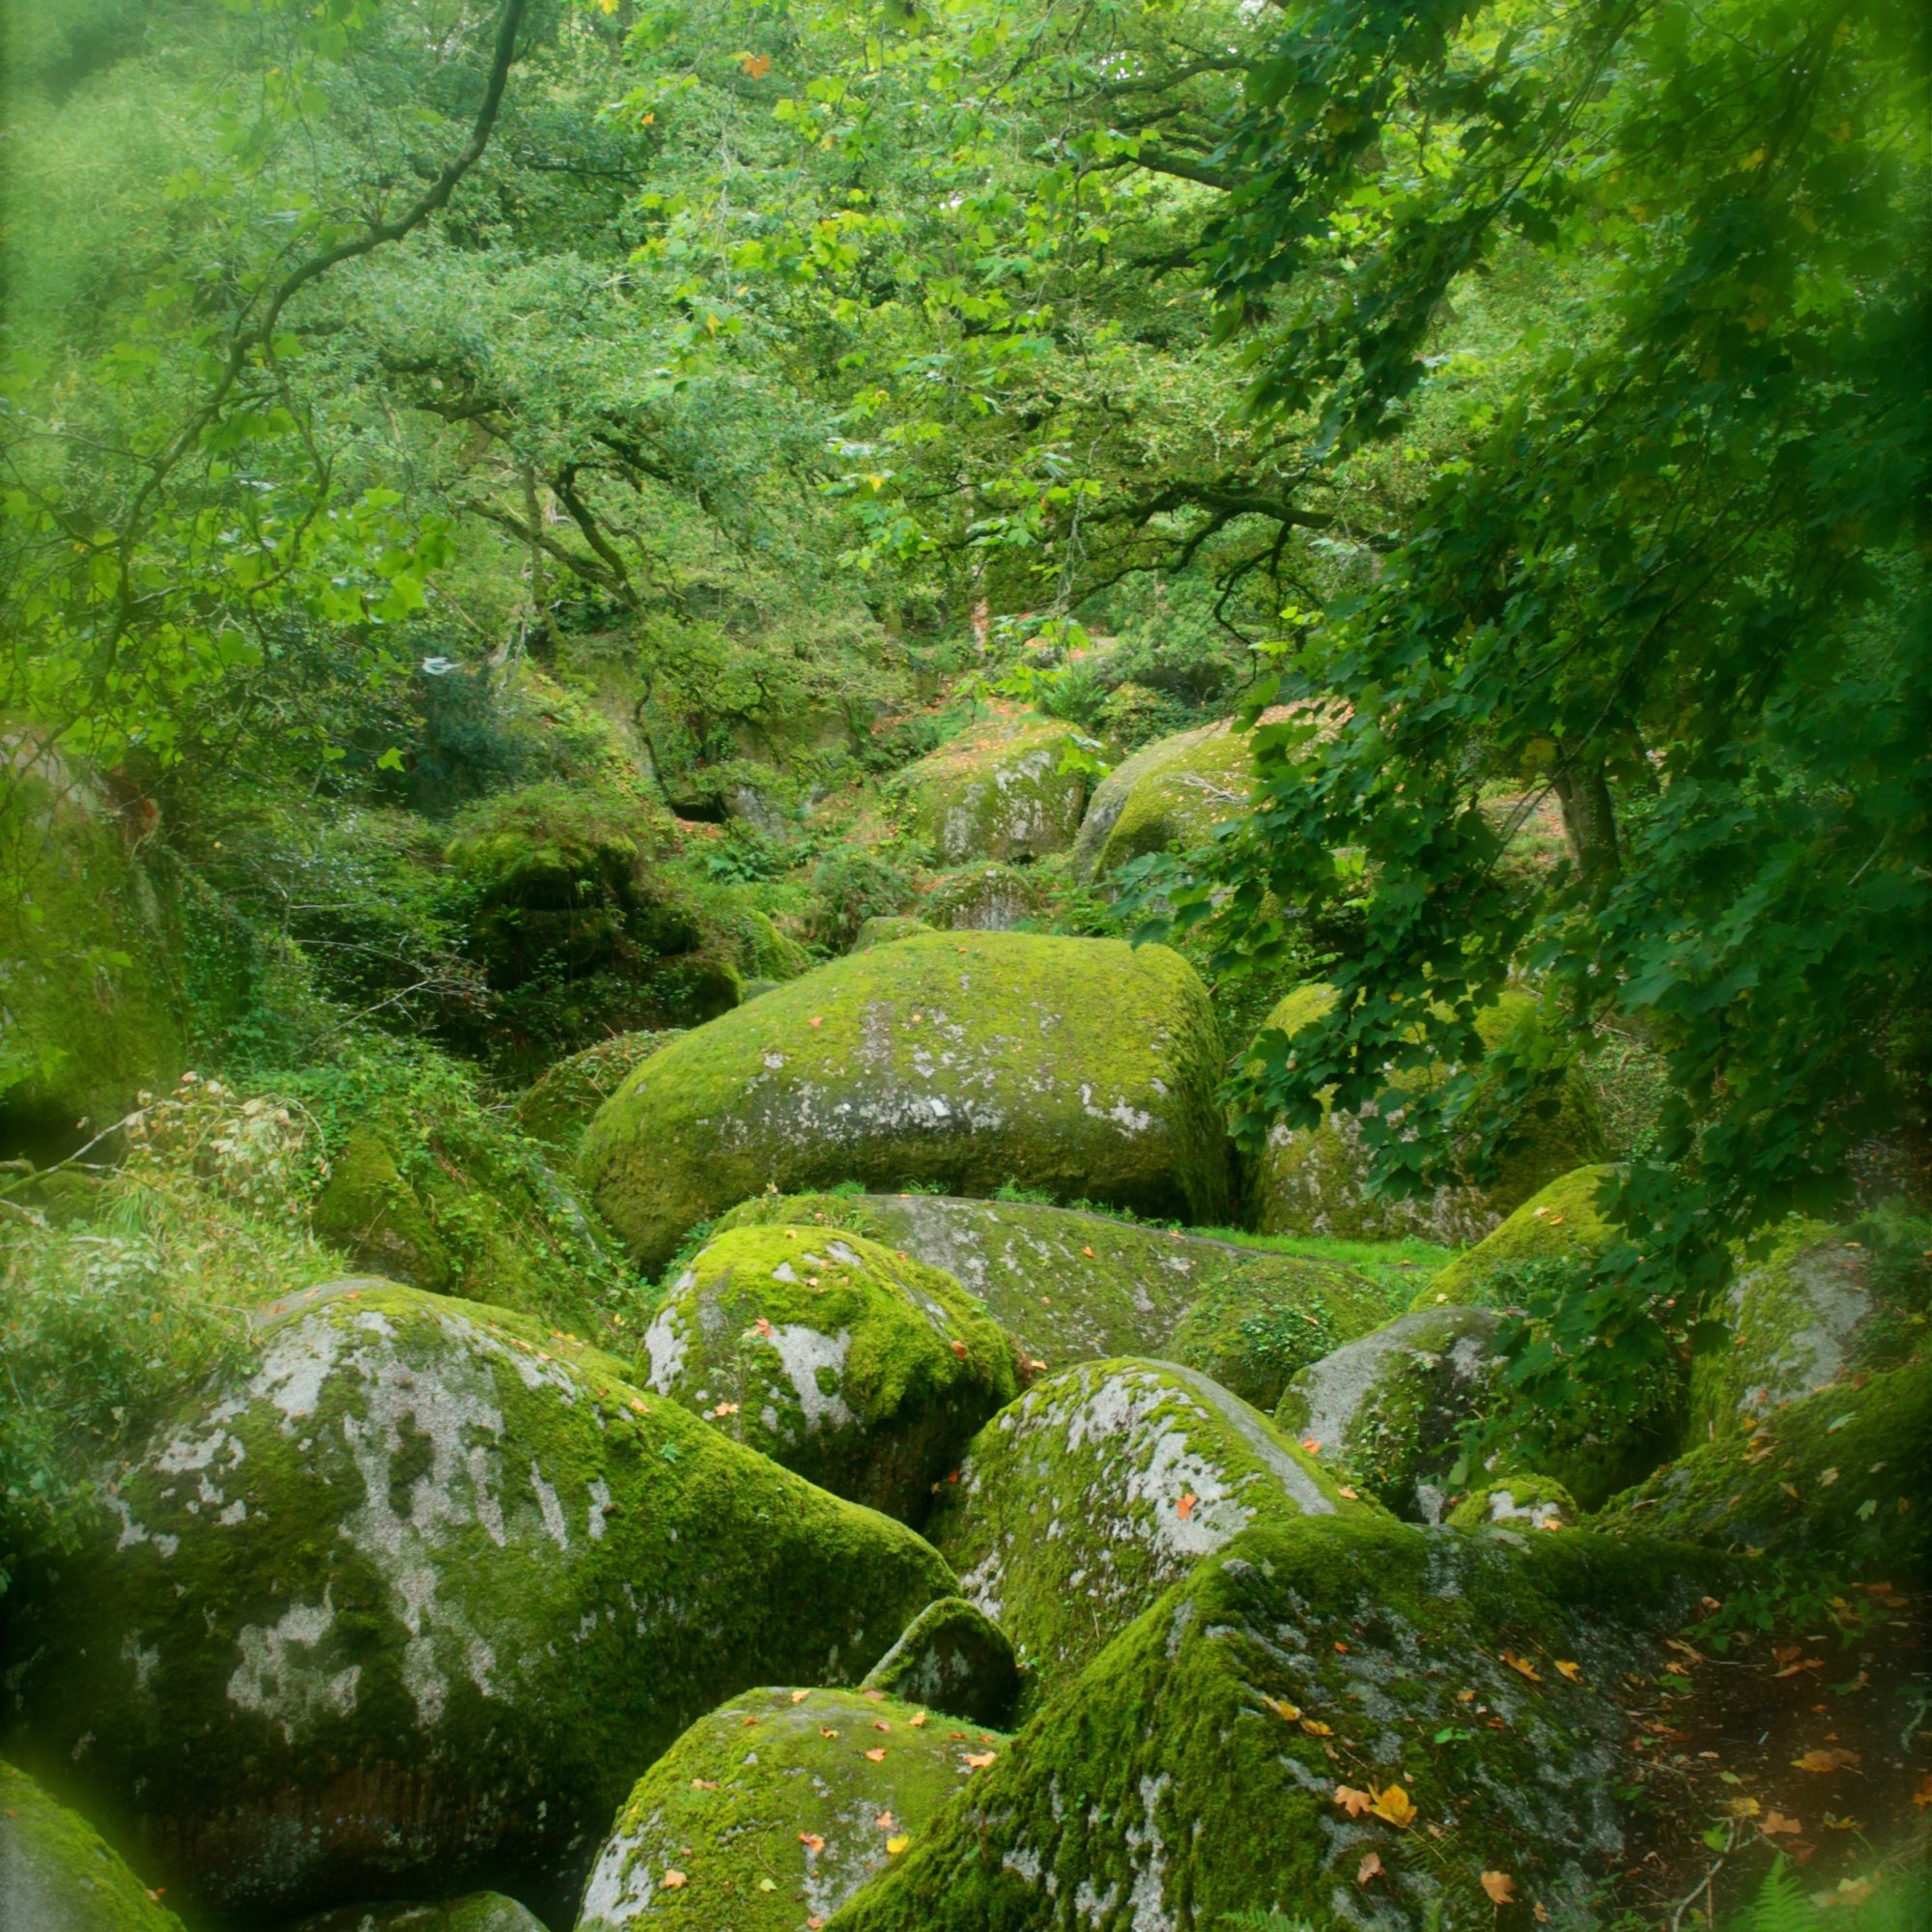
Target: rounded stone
1000, 790
952, 1657
774, 1810
1515, 1502
1083, 1068
1100, 1486
557, 1106
1176, 792
863, 1370
406, 1600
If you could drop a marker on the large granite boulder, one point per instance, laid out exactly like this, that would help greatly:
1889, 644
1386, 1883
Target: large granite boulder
1083, 1068
1279, 1718
1066, 1284
1175, 792
1004, 789
1099, 1487
772, 1811
865, 1372
407, 1599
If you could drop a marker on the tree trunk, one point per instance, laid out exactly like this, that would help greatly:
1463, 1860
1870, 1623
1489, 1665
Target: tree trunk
1589, 818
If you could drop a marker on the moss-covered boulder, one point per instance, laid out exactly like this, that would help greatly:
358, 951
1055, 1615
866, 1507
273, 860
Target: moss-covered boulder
556, 1107
1283, 1713
1797, 1309
58, 1874
581, 931
1175, 792
1837, 1478
1080, 1067
953, 1658
1389, 1408
998, 791
474, 1912
1066, 1284
771, 1812
86, 1017
992, 898
1261, 1317
407, 1601
1559, 1223
1100, 1486
884, 928
368, 1210
1515, 1502
1313, 1180
864, 1371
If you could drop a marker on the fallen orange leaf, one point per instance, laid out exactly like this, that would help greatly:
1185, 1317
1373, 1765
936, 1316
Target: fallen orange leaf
811, 1842
704, 1784
1355, 1803
917, 1721
1316, 1728
674, 1879
1369, 1868
895, 1845
885, 1821
799, 1696
1282, 1708
877, 1755
1523, 1665
1394, 1806
1573, 1672
980, 1760
1824, 1760
959, 1349
1184, 1507
1501, 1887
1776, 1823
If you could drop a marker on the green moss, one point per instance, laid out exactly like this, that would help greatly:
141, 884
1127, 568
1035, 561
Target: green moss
1798, 1308
426, 1179
989, 898
1389, 1408
885, 928
773, 1814
1259, 1320
407, 1606
1191, 1770
865, 1373
1515, 1502
998, 791
89, 1018
1558, 1222
953, 1658
1100, 1486
1315, 1181
1067, 1285
1175, 792
1082, 1067
1837, 1478
368, 1210
476, 1912
557, 1106
57, 1874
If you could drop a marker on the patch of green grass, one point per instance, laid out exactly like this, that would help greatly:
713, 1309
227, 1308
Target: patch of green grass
1399, 1267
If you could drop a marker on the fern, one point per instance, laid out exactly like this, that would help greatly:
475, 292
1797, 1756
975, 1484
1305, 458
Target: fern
1264, 1921
1780, 1905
